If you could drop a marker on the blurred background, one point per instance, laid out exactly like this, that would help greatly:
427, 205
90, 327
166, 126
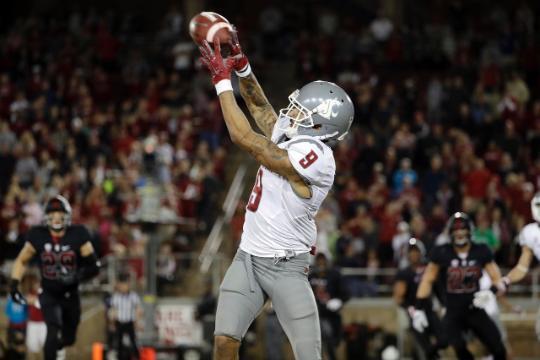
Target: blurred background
106, 103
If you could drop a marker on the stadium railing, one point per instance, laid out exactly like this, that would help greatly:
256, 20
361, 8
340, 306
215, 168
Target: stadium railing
377, 282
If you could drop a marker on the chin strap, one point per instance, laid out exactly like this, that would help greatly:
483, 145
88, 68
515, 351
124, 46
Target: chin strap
469, 240
291, 131
326, 136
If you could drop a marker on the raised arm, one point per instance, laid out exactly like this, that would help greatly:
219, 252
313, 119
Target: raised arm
260, 109
258, 105
261, 148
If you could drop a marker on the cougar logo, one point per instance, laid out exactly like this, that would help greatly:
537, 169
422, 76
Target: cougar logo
326, 108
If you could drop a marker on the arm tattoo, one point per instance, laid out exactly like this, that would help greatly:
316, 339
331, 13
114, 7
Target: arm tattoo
270, 155
258, 105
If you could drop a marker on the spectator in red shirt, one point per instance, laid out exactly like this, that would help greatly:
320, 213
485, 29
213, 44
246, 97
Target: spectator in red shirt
36, 330
388, 225
476, 180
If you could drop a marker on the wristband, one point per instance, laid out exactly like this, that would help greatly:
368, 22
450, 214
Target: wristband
223, 85
245, 72
496, 288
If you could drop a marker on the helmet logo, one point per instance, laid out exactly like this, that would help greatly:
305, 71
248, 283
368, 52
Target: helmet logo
325, 109
458, 224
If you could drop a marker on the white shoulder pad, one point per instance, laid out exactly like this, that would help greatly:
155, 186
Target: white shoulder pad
277, 131
313, 160
530, 234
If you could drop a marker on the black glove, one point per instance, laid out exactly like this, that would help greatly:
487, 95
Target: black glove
16, 295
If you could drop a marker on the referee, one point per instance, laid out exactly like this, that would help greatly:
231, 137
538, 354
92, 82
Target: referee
125, 311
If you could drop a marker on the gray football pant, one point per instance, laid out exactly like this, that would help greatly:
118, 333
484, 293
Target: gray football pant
250, 280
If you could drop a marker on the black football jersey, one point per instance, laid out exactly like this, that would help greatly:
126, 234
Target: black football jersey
412, 278
59, 258
327, 285
461, 275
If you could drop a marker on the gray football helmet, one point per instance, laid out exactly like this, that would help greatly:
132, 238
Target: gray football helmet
320, 109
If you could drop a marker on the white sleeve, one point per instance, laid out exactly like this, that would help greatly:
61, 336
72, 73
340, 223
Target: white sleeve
312, 160
114, 301
526, 237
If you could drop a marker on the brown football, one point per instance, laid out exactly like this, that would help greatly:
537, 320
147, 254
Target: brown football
207, 25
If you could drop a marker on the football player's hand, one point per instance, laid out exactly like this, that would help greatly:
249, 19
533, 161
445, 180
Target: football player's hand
241, 63
334, 304
419, 319
15, 294
220, 69
482, 298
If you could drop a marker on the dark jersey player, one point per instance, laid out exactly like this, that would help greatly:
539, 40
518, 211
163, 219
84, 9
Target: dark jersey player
66, 257
431, 339
460, 265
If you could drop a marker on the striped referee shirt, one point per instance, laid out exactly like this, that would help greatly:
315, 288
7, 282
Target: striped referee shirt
125, 306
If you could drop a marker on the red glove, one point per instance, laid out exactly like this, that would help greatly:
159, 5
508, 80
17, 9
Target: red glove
241, 65
220, 69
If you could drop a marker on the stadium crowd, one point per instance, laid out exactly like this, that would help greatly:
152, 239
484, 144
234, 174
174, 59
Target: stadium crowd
95, 108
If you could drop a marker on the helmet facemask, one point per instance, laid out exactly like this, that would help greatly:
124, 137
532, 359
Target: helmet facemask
297, 114
460, 229
535, 207
460, 237
58, 205
54, 226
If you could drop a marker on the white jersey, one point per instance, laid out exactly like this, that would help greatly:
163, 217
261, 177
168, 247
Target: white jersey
277, 219
530, 237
